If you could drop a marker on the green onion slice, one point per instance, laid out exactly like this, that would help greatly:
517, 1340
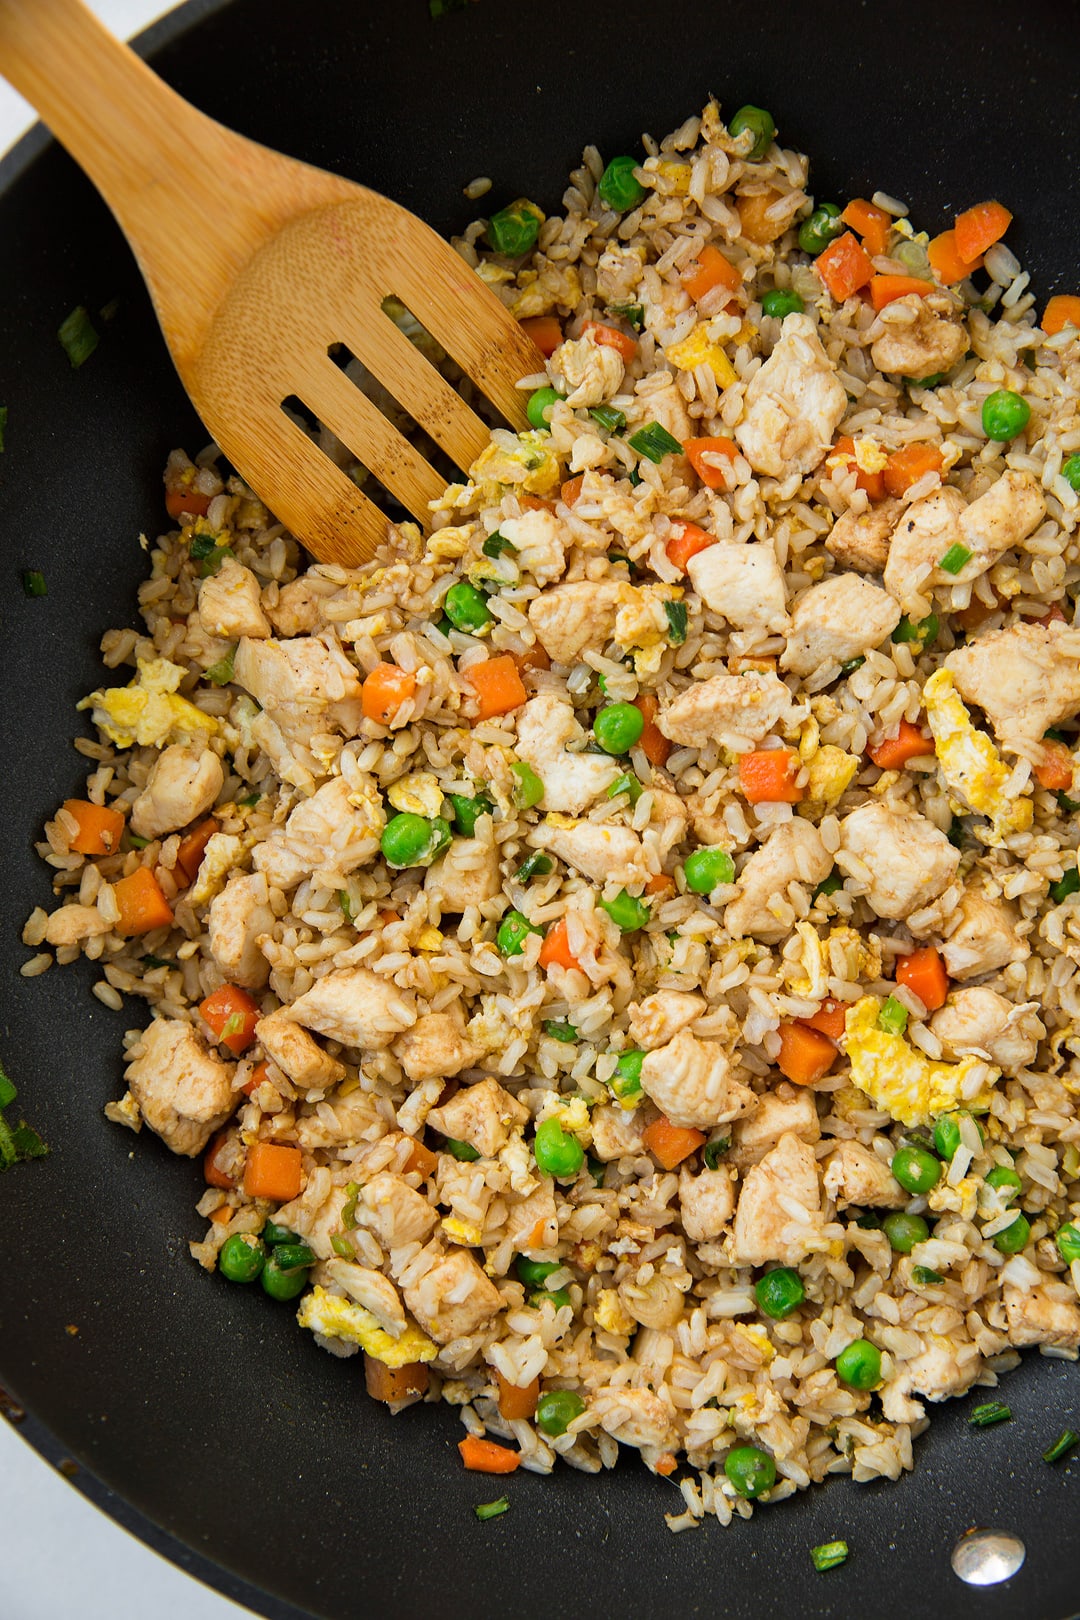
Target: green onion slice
78, 337
954, 559
654, 442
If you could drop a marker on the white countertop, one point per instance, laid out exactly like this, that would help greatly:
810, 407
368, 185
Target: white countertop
64, 1558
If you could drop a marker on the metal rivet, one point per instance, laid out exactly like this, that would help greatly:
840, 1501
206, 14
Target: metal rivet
985, 1557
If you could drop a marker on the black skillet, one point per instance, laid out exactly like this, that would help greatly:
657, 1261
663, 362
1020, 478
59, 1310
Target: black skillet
197, 1413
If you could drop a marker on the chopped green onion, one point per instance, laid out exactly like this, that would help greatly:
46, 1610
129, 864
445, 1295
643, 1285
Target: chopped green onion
3, 424
634, 478
628, 784
489, 1510
991, 1412
1069, 806
560, 1031
77, 336
676, 618
893, 1017
27, 1142
925, 1277
344, 900
608, 417
535, 865
1061, 1447
934, 380
829, 1555
250, 800
596, 1169
528, 789
201, 545
214, 561
461, 1150
827, 886
221, 673
342, 1247
634, 313
955, 558
496, 545
921, 633
232, 1026
957, 833
443, 8
713, 1150
348, 1209
33, 583
154, 961
514, 229
850, 665
8, 1091
655, 442
1066, 885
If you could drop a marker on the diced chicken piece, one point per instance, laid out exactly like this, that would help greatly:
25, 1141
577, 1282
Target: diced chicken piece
467, 875
1011, 509
540, 541
706, 1203
335, 831
239, 916
984, 938
742, 583
373, 1291
669, 816
792, 405
356, 1007
926, 343
860, 540
693, 1082
435, 1045
302, 684
70, 925
183, 783
316, 1215
658, 1018
589, 372
618, 272
482, 1115
454, 1298
925, 532
183, 1091
229, 603
296, 612
635, 1417
945, 1367
843, 617
664, 405
571, 780
734, 710
779, 1211
616, 1132
338, 1121
296, 1054
909, 861
793, 853
569, 618
395, 1213
531, 1222
788, 1109
978, 1021
855, 1174
1036, 1318
1023, 678
605, 853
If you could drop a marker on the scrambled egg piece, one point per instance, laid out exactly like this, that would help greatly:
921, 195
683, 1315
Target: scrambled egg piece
960, 1200
610, 1314
831, 773
970, 764
147, 711
223, 854
678, 173
419, 793
524, 461
851, 956
869, 456
899, 1079
536, 299
494, 274
758, 1338
642, 625
572, 1114
808, 975
451, 542
697, 350
467, 1233
429, 939
338, 1318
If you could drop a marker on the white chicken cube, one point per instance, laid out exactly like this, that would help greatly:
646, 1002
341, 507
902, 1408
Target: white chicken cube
736, 711
977, 1021
913, 339
395, 1212
467, 875
788, 1109
183, 783
706, 1203
230, 605
657, 1019
540, 542
693, 1082
793, 853
334, 831
238, 918
454, 1298
569, 618
356, 1007
296, 1054
904, 859
183, 1091
589, 372
983, 937
435, 1045
302, 685
855, 1174
844, 617
482, 1115
1025, 678
778, 1216
860, 540
571, 780
605, 853
742, 583
1035, 1317
792, 405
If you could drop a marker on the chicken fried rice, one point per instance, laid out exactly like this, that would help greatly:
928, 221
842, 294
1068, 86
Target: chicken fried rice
618, 953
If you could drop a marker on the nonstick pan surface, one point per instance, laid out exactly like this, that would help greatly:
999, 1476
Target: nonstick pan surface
211, 1418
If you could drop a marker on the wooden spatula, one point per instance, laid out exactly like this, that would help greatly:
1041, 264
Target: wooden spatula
257, 264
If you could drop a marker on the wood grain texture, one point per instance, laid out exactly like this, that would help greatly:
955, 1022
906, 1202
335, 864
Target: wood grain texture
292, 260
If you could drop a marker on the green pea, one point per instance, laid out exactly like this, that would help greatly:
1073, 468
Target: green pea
628, 784
818, 231
554, 1296
528, 789
539, 405
760, 124
619, 190
1070, 471
514, 929
1004, 1179
778, 302
559, 1030
779, 1292
467, 812
859, 1365
535, 1272
556, 1151
462, 1150
751, 1471
1014, 1237
618, 727
242, 1258
904, 1231
947, 1133
272, 1233
556, 1410
629, 914
466, 608
626, 1080
706, 868
1068, 884
1068, 1242
915, 1169
1004, 414
281, 1282
410, 840
514, 229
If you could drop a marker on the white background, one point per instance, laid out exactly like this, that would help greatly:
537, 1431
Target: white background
62, 1558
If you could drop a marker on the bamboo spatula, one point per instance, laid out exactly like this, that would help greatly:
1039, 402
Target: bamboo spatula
285, 261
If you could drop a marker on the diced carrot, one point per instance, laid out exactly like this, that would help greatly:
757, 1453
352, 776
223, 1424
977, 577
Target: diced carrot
535, 503
767, 776
908, 465
979, 228
976, 613
666, 1464
1063, 310
710, 269
946, 260
213, 1176
659, 883
711, 476
391, 1384
571, 490
193, 848
384, 691
893, 753
555, 951
387, 917
274, 1171
669, 1143
545, 332
485, 1457
652, 742
422, 1160
536, 1236
99, 827
871, 223
1056, 770
1053, 615
178, 501
222, 1215
844, 267
872, 482
754, 221
687, 539
610, 337
829, 1019
805, 1054
883, 289
231, 1015
142, 904
497, 685
924, 972
533, 657
258, 1074
517, 1400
